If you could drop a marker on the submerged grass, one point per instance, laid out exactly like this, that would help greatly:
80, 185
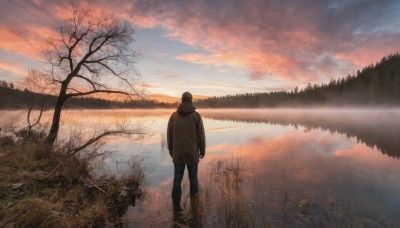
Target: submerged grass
40, 187
230, 196
230, 204
220, 202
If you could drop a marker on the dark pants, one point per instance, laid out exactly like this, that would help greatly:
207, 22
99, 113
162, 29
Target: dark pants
178, 176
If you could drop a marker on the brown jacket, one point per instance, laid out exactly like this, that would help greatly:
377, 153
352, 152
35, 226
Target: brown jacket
185, 135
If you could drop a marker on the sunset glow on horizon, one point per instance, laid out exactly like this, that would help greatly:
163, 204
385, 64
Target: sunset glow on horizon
214, 48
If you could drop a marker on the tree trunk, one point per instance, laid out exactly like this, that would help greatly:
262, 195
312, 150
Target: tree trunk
52, 136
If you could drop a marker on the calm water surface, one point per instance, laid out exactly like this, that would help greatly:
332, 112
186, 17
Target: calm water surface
280, 167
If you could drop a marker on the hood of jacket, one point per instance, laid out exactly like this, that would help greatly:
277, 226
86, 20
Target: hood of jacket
186, 108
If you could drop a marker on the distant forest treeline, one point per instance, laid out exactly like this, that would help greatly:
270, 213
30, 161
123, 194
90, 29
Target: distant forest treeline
12, 98
377, 84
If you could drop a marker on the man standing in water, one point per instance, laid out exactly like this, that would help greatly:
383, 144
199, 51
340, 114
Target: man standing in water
186, 143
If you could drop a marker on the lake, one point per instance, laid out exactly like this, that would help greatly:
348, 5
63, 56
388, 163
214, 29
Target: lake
263, 167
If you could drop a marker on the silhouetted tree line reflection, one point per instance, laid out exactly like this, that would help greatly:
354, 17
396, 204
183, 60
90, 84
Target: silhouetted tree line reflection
378, 129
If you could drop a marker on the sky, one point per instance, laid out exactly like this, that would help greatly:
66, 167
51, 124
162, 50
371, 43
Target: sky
220, 47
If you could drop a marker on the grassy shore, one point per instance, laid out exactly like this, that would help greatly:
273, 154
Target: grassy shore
43, 187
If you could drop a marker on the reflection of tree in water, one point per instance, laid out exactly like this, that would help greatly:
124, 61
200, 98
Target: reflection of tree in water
378, 129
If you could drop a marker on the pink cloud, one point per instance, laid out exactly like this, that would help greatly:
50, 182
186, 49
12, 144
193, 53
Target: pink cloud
26, 41
368, 157
274, 39
12, 67
288, 41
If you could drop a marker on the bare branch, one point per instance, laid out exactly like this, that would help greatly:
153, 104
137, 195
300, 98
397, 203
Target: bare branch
61, 59
30, 125
87, 79
75, 90
92, 82
104, 134
90, 69
52, 75
29, 116
62, 38
113, 57
95, 185
70, 50
99, 91
108, 68
42, 107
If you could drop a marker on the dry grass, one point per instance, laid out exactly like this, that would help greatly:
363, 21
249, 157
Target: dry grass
231, 206
220, 202
40, 187
31, 212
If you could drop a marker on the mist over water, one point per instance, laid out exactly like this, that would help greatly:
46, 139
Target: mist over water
278, 166
374, 127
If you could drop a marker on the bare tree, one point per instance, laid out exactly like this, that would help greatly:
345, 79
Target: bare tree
88, 56
40, 83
